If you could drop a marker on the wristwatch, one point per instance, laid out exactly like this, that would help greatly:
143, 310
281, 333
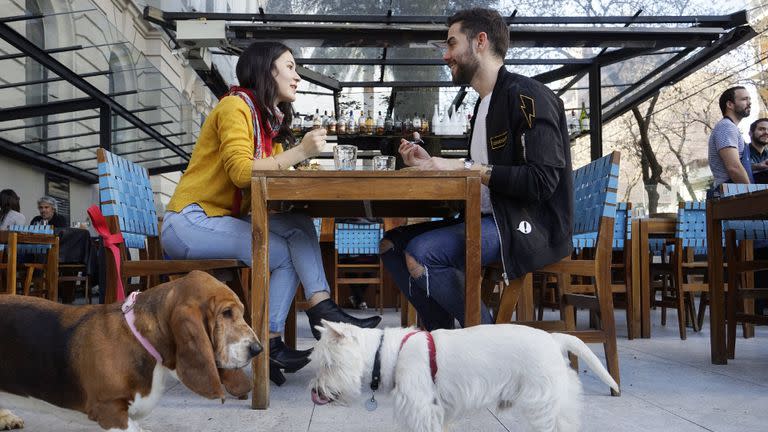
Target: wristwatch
468, 163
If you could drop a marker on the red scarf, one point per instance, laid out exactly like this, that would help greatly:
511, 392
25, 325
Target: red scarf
264, 131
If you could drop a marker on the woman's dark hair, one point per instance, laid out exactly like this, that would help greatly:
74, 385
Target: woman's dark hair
254, 71
8, 201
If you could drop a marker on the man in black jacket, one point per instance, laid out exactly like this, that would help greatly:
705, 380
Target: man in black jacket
48, 208
520, 145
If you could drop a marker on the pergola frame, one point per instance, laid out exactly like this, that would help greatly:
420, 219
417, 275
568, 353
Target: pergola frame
712, 36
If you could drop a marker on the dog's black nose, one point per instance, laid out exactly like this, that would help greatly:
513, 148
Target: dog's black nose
255, 348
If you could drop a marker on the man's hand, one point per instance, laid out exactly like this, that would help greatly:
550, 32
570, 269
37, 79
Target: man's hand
413, 154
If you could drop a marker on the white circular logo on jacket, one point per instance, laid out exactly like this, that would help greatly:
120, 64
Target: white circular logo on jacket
524, 227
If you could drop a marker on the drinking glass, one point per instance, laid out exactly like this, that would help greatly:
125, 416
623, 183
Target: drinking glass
383, 163
345, 157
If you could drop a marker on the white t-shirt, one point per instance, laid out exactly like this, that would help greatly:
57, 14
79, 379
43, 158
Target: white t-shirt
12, 218
478, 150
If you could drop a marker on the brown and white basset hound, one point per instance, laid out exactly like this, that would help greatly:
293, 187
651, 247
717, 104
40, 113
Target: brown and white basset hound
86, 359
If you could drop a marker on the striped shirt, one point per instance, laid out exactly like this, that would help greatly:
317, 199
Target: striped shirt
724, 134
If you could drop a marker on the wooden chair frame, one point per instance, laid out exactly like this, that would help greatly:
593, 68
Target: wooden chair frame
599, 268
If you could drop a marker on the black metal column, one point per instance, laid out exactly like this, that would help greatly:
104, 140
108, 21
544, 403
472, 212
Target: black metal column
105, 127
595, 113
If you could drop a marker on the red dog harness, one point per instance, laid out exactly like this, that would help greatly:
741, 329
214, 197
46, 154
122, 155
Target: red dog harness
430, 346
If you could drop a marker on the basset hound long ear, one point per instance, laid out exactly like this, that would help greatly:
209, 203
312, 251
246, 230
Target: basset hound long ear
195, 364
236, 382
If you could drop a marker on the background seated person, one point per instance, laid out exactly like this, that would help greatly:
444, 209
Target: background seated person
48, 207
10, 212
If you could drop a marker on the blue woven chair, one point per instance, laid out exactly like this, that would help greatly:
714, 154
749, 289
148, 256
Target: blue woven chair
595, 186
690, 242
740, 237
126, 199
31, 240
359, 240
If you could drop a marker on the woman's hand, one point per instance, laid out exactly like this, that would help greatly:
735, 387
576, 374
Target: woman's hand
412, 153
313, 143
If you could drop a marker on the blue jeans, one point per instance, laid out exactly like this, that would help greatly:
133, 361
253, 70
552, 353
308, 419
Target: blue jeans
438, 294
294, 251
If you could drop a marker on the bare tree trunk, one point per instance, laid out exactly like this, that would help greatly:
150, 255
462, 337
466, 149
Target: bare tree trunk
651, 168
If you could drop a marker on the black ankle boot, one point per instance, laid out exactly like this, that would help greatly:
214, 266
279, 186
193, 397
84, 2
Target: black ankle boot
286, 358
275, 375
330, 311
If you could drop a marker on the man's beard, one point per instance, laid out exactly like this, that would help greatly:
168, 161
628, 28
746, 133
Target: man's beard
743, 113
466, 71
760, 142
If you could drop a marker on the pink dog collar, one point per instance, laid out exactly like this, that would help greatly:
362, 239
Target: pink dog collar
130, 318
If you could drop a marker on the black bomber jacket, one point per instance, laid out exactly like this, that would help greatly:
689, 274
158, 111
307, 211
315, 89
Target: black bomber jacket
531, 182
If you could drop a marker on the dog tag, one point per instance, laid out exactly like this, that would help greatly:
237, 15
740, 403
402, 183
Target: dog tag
371, 404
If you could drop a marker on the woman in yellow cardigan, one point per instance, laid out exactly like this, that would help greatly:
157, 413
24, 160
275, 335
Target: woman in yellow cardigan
207, 215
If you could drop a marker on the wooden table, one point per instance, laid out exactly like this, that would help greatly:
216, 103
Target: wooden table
356, 193
748, 206
642, 231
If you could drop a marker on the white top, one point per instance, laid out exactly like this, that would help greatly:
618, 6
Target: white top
478, 150
12, 218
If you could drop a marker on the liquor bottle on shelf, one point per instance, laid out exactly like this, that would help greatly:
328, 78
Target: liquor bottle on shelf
351, 125
379, 124
408, 125
584, 119
416, 123
397, 126
317, 122
324, 119
306, 123
435, 120
361, 129
341, 125
573, 124
296, 124
331, 125
424, 125
370, 124
388, 124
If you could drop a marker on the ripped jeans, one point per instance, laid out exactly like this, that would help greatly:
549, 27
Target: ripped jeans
438, 294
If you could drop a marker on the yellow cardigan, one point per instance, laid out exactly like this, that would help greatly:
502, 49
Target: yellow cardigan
222, 161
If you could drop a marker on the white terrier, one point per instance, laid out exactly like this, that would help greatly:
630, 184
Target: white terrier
440, 376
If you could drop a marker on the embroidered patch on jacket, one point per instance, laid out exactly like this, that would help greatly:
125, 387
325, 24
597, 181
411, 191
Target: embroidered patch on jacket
499, 140
528, 107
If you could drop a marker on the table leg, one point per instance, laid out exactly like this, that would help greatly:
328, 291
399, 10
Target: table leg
260, 292
472, 263
716, 289
645, 281
636, 286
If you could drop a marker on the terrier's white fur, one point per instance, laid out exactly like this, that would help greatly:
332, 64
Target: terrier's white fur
488, 366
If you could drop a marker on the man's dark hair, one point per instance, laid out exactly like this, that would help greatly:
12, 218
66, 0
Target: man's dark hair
476, 20
753, 126
728, 96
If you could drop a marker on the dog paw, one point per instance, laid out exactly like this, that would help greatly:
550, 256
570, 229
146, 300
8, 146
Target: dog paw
9, 420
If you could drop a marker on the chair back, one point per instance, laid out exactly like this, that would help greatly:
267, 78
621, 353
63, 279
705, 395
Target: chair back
691, 226
594, 193
23, 249
125, 196
358, 239
745, 229
622, 226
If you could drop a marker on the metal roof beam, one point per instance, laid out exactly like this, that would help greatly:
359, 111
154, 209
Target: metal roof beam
24, 45
51, 108
318, 78
45, 162
430, 62
50, 80
733, 39
371, 35
79, 119
167, 19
